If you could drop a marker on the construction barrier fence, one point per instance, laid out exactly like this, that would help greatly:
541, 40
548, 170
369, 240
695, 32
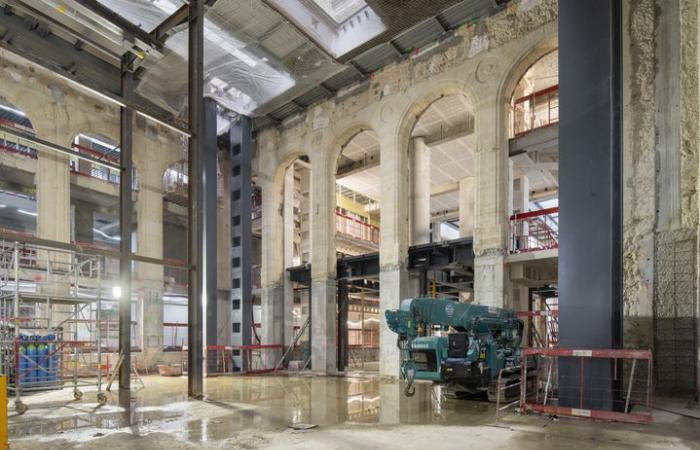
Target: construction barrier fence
602, 384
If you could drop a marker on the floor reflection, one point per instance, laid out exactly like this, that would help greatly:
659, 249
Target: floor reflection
238, 403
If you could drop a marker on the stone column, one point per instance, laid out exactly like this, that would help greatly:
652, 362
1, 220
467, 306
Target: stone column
83, 221
272, 276
467, 200
420, 191
53, 190
490, 234
393, 250
148, 278
324, 313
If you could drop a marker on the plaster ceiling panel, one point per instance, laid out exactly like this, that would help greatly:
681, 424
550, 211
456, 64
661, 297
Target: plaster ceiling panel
444, 202
449, 112
367, 183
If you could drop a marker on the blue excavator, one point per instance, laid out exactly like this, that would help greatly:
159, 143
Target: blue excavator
461, 346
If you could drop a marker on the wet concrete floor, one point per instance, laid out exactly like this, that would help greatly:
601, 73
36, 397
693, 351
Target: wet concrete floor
350, 412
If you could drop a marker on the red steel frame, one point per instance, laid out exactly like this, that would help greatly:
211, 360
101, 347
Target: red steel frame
250, 348
539, 222
530, 111
372, 229
640, 418
549, 335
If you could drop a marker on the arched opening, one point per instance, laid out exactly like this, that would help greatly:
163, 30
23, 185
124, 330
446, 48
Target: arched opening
357, 215
441, 199
94, 211
534, 195
442, 167
358, 188
296, 213
18, 208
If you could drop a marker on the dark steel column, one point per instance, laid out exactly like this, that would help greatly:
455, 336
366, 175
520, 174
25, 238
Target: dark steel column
125, 219
241, 235
209, 216
195, 357
342, 324
590, 174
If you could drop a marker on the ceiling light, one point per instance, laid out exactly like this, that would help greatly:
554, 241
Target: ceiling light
116, 292
98, 142
27, 213
3, 206
12, 110
102, 233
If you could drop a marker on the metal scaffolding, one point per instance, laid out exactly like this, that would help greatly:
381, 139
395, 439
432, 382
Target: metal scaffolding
51, 326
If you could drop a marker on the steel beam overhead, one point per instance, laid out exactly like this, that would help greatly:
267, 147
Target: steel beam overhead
130, 30
160, 33
590, 161
97, 76
195, 325
126, 121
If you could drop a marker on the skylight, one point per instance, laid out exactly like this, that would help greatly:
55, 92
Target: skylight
338, 26
340, 10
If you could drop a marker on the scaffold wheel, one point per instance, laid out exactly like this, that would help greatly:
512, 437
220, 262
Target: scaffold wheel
101, 398
77, 394
20, 407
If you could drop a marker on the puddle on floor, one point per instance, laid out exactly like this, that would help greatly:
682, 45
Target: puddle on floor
240, 403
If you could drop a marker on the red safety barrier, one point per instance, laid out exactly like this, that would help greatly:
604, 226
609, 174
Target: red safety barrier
546, 399
534, 230
541, 327
256, 364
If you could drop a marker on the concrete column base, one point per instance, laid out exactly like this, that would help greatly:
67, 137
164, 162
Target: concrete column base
323, 327
151, 299
489, 278
272, 322
393, 285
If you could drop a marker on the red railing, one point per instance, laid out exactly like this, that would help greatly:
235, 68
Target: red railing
536, 110
534, 230
353, 227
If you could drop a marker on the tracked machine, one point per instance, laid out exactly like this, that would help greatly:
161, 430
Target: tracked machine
461, 346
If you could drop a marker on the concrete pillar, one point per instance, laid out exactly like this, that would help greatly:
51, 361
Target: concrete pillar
521, 196
83, 222
467, 200
272, 275
324, 314
491, 212
53, 193
393, 251
420, 191
149, 239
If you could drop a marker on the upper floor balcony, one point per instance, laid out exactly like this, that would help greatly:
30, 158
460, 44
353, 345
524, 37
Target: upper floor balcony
533, 231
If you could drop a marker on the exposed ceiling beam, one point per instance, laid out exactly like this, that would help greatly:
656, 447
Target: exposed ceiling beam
356, 167
128, 27
77, 67
161, 32
442, 137
445, 215
444, 188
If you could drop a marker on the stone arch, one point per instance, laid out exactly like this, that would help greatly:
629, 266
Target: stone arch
16, 102
342, 140
415, 110
511, 77
411, 118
